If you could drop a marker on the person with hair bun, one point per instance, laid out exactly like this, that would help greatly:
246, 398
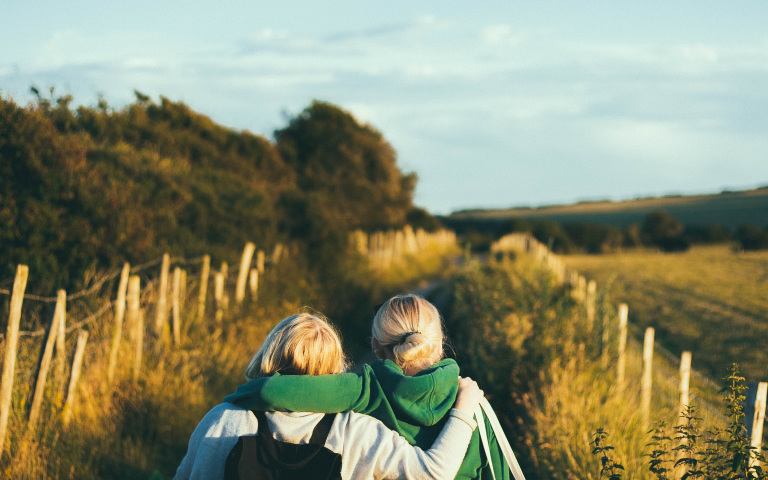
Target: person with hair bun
410, 388
234, 442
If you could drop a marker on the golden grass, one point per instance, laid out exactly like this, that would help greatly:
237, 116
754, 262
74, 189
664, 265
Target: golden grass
709, 300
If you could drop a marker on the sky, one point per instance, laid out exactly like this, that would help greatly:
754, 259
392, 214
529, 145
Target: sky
493, 104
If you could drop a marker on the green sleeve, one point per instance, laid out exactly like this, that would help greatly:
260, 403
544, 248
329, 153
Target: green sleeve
306, 393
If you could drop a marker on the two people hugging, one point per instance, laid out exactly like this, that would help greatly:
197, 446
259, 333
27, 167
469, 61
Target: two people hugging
406, 415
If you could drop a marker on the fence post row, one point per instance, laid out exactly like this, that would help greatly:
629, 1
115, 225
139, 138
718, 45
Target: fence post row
127, 307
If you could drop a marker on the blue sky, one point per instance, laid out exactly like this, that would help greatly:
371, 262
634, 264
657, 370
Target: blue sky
492, 104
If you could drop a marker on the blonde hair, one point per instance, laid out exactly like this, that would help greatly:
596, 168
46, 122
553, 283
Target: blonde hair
411, 327
302, 344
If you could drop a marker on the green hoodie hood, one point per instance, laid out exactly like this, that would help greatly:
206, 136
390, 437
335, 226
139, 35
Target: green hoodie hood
423, 399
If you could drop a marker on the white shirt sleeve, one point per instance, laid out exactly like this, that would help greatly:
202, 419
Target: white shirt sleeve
371, 450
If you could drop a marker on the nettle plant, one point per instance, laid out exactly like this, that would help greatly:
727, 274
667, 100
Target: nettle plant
685, 452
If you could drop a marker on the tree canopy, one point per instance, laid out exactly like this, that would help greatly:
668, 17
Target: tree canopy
91, 187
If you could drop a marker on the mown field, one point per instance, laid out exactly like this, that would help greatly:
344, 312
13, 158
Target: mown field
709, 300
729, 209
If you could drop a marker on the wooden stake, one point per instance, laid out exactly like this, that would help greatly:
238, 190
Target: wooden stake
620, 367
245, 267
175, 306
685, 380
136, 321
183, 290
119, 316
591, 300
647, 374
61, 352
254, 284
218, 295
11, 343
756, 439
277, 253
260, 261
45, 362
161, 316
605, 341
203, 293
77, 363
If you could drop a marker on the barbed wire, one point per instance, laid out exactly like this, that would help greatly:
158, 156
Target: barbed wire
74, 326
109, 276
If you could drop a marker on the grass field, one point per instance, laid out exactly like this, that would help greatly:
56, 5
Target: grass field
709, 300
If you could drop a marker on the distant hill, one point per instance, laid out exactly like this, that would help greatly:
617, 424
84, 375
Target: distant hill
729, 209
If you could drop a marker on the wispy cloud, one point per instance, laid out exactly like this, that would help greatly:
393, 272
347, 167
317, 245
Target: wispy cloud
532, 109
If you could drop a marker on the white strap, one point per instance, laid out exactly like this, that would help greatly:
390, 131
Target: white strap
484, 437
506, 449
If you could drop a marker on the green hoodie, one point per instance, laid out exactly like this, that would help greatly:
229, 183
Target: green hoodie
415, 407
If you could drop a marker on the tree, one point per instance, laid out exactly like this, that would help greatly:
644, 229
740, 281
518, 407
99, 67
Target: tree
664, 231
751, 237
347, 170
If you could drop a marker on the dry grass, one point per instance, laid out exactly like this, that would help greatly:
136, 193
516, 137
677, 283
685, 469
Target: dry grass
709, 300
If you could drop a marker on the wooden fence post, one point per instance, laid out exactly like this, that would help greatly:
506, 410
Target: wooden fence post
604, 360
45, 362
175, 304
685, 380
647, 374
203, 293
242, 274
254, 284
61, 352
183, 290
581, 293
11, 343
758, 419
218, 295
161, 316
77, 363
260, 261
620, 367
136, 321
278, 252
591, 300
119, 317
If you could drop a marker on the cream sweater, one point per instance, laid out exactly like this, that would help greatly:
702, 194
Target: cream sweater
368, 449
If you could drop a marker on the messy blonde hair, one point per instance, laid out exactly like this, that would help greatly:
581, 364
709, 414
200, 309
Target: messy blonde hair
302, 344
411, 327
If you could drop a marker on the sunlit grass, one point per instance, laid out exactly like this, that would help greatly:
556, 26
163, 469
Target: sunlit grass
709, 300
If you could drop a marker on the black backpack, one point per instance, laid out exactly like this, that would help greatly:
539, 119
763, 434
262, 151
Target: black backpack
264, 458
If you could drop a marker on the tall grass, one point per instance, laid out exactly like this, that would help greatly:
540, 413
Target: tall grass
530, 346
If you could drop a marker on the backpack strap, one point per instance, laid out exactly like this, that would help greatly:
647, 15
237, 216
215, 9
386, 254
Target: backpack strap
506, 449
322, 429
